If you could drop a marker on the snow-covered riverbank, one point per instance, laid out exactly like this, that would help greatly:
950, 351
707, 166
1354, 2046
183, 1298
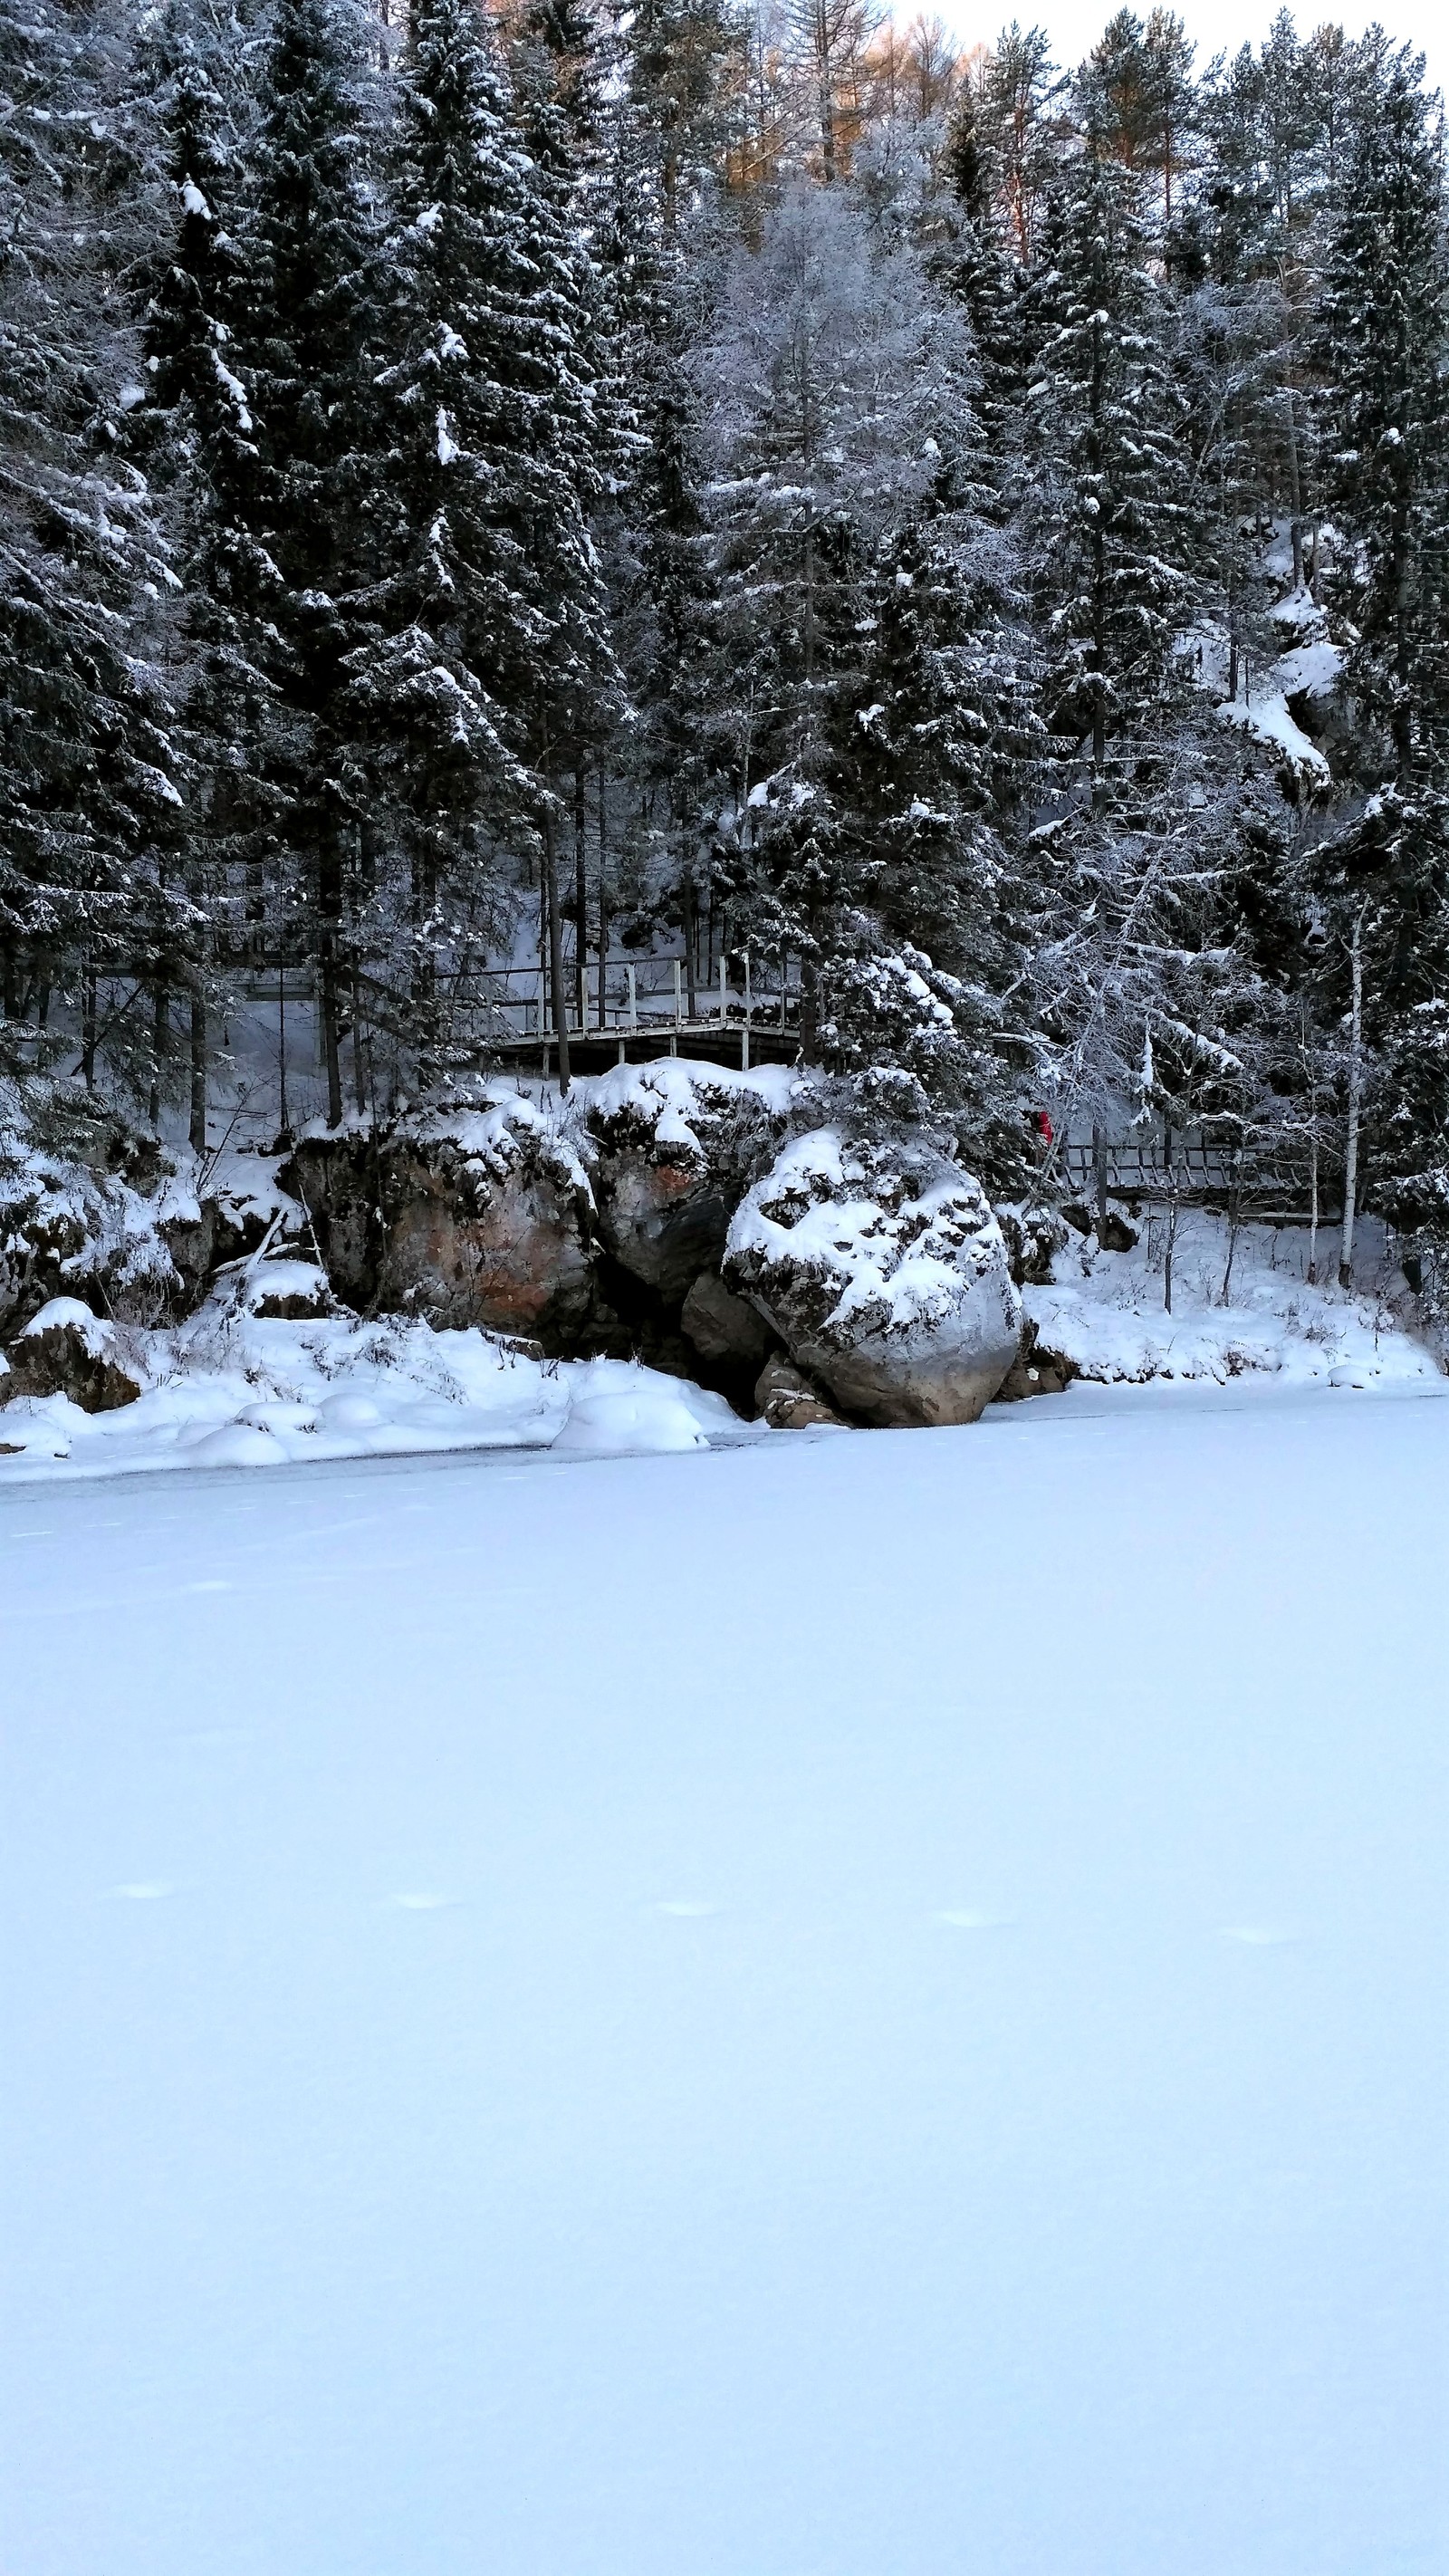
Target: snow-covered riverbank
868, 2006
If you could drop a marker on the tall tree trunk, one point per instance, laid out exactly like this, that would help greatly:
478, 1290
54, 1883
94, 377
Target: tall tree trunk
359, 1061
690, 925
1099, 566
160, 1038
1295, 487
285, 1132
581, 901
331, 1021
197, 1123
88, 1025
555, 948
603, 907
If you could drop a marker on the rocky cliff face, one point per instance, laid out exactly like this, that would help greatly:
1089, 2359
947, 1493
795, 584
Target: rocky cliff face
480, 1215
703, 1220
671, 1149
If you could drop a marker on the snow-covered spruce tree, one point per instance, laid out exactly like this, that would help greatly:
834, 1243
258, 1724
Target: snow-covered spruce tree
1114, 529
1384, 879
301, 487
655, 546
936, 738
577, 694
89, 772
837, 366
1383, 357
972, 256
444, 688
659, 247
684, 63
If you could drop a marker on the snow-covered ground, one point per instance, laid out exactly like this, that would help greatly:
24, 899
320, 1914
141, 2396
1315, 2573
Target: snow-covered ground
1105, 1312
242, 1390
852, 2007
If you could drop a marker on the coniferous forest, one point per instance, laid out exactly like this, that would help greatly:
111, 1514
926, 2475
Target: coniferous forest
964, 535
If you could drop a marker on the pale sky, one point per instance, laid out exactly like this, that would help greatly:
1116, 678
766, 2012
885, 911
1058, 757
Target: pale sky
1074, 25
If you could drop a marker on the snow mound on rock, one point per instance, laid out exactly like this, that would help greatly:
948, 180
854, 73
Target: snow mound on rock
616, 1407
675, 1102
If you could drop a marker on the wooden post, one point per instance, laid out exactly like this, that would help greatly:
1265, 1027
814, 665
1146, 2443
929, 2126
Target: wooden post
633, 999
678, 1002
745, 1031
1099, 1166
724, 1007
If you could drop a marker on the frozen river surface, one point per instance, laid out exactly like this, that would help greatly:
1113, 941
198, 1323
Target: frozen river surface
859, 2007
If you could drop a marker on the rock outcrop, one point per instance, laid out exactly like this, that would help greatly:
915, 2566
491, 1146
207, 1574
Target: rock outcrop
1034, 1371
883, 1270
1033, 1237
89, 1209
725, 1329
461, 1215
671, 1149
786, 1400
66, 1350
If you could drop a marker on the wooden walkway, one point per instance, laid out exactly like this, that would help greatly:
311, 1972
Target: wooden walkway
740, 1044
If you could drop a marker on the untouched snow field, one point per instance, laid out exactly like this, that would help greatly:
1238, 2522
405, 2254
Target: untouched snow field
847, 2007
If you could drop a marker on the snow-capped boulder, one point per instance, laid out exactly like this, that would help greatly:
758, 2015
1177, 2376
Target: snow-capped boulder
66, 1350
464, 1215
883, 1270
671, 1149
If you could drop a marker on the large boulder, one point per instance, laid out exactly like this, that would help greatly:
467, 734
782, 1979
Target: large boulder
883, 1270
671, 1149
462, 1215
66, 1350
